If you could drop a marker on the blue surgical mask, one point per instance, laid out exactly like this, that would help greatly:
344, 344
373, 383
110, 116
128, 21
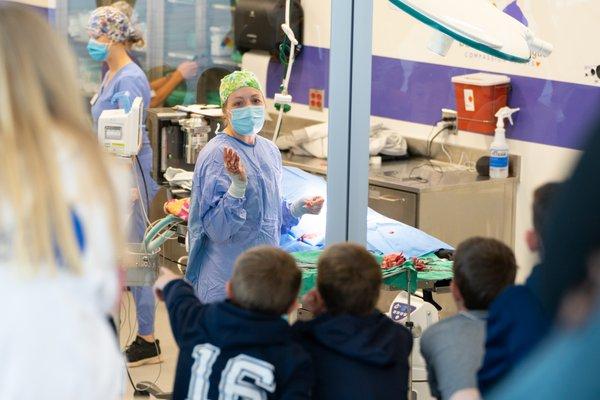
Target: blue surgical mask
248, 120
98, 51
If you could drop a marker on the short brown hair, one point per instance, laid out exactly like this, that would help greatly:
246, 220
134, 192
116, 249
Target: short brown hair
543, 198
265, 279
483, 267
349, 279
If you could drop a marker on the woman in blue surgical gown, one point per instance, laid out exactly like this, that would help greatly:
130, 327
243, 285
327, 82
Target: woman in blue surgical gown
110, 30
237, 194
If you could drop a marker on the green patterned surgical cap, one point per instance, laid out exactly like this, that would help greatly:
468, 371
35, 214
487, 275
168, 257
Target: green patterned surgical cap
237, 80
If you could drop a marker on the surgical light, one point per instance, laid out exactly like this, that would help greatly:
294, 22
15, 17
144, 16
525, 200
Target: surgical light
477, 24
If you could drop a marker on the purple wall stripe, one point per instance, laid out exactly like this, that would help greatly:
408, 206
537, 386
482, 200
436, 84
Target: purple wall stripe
552, 112
310, 71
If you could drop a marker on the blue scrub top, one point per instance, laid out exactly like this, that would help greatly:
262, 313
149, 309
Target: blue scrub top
131, 78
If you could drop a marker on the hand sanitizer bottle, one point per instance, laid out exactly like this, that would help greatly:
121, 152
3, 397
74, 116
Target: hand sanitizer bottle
499, 147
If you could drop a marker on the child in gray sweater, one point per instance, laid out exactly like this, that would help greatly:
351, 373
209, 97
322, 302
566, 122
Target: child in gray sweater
453, 348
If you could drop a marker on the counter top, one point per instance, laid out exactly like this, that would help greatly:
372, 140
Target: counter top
415, 175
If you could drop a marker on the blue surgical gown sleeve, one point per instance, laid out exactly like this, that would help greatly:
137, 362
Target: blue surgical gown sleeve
220, 214
288, 221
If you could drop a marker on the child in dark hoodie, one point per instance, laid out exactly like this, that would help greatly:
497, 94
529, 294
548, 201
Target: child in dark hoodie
242, 347
517, 321
358, 353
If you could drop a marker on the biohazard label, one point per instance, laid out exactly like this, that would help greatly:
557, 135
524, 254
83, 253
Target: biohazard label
469, 100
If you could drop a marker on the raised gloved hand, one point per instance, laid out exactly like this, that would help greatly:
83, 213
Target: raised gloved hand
307, 205
188, 69
237, 173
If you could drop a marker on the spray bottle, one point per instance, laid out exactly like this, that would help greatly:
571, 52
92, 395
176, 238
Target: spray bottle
499, 147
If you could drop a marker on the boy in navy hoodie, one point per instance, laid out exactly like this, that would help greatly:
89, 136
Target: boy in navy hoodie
518, 321
242, 347
358, 353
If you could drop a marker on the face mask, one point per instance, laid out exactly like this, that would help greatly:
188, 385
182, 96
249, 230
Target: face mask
248, 120
98, 51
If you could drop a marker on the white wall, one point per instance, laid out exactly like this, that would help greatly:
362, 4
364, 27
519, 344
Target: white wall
569, 25
38, 3
317, 17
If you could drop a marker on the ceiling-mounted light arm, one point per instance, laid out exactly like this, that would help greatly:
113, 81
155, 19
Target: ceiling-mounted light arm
477, 24
440, 43
537, 45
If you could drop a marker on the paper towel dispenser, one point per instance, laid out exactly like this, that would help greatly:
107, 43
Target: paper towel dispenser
257, 24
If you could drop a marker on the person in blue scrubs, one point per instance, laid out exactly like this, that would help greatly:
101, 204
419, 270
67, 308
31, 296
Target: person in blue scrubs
109, 31
237, 191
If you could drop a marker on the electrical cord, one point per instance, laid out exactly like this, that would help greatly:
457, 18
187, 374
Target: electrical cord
128, 319
144, 211
128, 315
140, 387
429, 135
121, 321
156, 347
150, 226
470, 165
130, 379
435, 168
430, 141
460, 160
446, 153
129, 336
171, 260
165, 234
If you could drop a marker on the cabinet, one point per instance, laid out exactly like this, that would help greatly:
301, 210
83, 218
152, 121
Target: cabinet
452, 206
453, 214
394, 204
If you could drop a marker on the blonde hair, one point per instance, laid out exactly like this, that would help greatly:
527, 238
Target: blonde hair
137, 38
42, 106
124, 7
